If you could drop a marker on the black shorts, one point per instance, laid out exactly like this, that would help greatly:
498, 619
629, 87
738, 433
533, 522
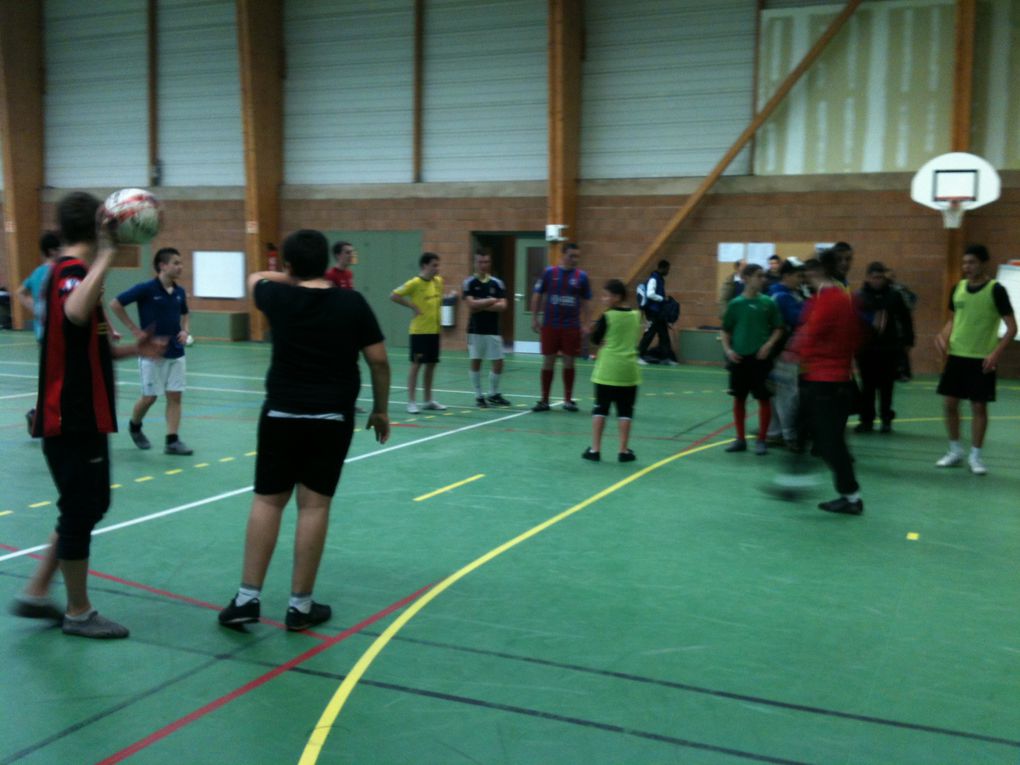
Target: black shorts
295, 451
964, 378
750, 375
607, 395
425, 349
80, 466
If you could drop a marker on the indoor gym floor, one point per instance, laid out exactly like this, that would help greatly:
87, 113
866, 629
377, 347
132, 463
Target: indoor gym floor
560, 611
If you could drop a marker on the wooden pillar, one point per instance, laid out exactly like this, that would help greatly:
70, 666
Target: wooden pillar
566, 21
260, 42
418, 136
960, 127
21, 122
152, 32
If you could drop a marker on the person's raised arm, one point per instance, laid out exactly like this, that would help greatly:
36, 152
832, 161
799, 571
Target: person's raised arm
379, 370
271, 276
85, 297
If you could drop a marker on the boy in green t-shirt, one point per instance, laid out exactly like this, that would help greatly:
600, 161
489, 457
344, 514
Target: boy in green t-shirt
616, 375
752, 325
423, 294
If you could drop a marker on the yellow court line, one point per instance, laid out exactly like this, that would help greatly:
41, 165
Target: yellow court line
913, 536
317, 739
175, 471
39, 504
250, 454
202, 465
226, 459
115, 486
6, 512
143, 479
448, 488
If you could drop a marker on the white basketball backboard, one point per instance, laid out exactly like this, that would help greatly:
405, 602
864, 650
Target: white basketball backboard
954, 183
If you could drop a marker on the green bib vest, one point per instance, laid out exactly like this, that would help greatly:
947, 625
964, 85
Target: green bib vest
975, 322
616, 363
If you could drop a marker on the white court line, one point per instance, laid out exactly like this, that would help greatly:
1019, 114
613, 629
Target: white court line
243, 490
19, 395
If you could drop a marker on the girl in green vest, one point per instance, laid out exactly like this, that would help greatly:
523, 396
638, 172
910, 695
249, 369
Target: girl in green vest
616, 375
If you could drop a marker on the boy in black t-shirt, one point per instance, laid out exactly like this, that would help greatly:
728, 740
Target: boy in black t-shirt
308, 418
485, 296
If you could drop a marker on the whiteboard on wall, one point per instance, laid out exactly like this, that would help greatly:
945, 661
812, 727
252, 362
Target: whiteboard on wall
1009, 277
218, 274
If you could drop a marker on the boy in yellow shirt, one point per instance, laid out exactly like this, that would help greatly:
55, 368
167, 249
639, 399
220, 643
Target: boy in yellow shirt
423, 294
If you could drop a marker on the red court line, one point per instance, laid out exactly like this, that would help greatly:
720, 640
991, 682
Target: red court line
212, 706
168, 594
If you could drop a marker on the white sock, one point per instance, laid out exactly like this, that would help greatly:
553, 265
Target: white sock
494, 383
476, 382
855, 497
975, 452
302, 601
80, 617
246, 594
955, 448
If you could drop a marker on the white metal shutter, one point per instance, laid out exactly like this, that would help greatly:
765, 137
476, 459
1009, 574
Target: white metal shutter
485, 96
997, 83
348, 92
96, 101
1, 160
200, 140
667, 86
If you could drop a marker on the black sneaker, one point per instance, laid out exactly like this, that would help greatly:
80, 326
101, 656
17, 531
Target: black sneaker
541, 406
297, 621
234, 614
43, 610
178, 447
139, 438
569, 406
737, 446
886, 428
96, 627
842, 505
627, 456
30, 419
864, 427
588, 454
498, 400
481, 402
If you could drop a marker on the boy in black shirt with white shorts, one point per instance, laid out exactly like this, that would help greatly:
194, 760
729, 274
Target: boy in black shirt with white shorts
485, 296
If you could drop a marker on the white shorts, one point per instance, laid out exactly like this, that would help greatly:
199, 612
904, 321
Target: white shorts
161, 375
487, 347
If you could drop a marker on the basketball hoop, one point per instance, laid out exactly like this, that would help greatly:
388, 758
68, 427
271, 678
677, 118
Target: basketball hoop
952, 213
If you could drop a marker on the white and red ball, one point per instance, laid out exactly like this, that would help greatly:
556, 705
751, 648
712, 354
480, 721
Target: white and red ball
137, 212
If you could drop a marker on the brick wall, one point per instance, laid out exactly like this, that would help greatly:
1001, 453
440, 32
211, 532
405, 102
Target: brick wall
614, 229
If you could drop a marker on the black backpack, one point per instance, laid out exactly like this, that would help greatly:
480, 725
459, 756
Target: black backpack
671, 311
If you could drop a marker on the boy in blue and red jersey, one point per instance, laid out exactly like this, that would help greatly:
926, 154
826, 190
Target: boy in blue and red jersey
563, 292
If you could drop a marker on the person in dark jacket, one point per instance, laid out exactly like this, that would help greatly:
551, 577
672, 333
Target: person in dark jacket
890, 331
658, 323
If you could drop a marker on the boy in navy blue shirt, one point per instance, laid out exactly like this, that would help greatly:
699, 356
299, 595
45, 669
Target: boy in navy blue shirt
162, 311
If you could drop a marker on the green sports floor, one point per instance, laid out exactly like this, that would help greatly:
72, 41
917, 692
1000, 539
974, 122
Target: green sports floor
498, 600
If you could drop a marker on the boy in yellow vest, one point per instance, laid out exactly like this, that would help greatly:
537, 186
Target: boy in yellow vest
616, 375
970, 338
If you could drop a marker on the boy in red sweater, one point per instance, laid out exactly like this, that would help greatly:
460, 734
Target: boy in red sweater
825, 345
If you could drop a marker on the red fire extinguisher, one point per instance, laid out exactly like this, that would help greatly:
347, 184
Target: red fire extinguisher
272, 259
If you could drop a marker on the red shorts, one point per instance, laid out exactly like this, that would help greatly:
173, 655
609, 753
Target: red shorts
565, 340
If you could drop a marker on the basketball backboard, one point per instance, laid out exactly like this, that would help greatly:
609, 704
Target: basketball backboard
954, 183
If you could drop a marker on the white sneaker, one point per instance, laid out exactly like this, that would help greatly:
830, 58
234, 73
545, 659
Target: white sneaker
412, 408
977, 467
435, 406
952, 459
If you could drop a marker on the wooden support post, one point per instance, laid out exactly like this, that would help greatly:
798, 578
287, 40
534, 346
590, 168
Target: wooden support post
21, 122
418, 135
155, 171
566, 21
260, 42
963, 87
653, 250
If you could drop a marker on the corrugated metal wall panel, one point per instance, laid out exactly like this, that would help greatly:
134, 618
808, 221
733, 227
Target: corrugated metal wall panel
200, 140
348, 92
486, 90
96, 93
997, 83
1, 161
667, 86
878, 99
